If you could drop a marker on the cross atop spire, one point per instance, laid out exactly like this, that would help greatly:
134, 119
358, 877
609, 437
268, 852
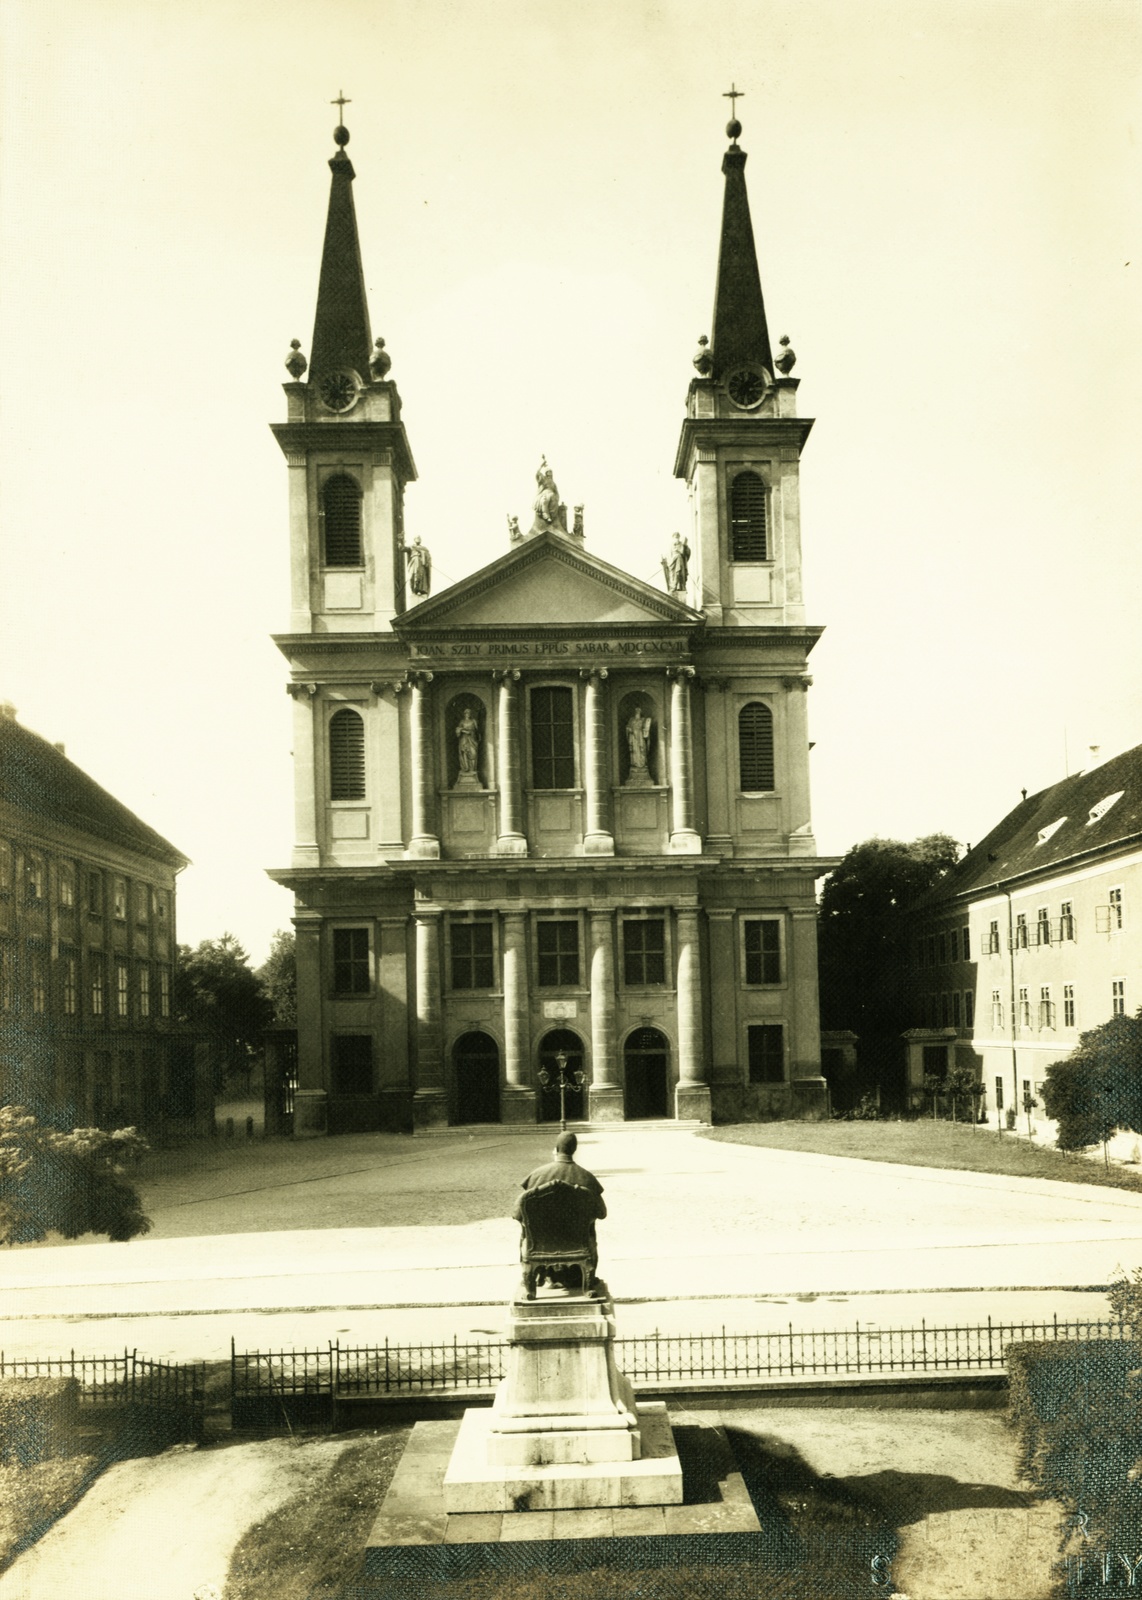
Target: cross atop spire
733, 95
341, 103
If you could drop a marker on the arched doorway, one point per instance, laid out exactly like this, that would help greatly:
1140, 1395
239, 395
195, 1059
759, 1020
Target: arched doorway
646, 1056
476, 1060
572, 1047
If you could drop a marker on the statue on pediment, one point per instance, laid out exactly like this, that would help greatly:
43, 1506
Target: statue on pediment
676, 565
550, 512
418, 564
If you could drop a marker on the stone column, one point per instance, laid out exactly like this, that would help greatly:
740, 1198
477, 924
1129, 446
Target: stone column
518, 1099
606, 1096
424, 843
683, 835
429, 1103
809, 1088
511, 841
598, 839
311, 1099
306, 849
692, 1093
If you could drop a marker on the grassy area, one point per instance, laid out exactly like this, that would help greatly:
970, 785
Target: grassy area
33, 1498
310, 1547
928, 1143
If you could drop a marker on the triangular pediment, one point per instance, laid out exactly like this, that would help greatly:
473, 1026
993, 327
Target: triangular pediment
547, 581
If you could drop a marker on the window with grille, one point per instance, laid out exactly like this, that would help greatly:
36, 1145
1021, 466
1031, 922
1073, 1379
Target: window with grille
552, 738
1066, 921
755, 747
993, 938
472, 952
558, 951
763, 950
352, 1063
346, 755
350, 961
1068, 1005
122, 989
97, 980
1043, 925
1046, 1007
644, 951
965, 943
1024, 1009
1118, 997
747, 518
1021, 939
144, 989
70, 986
341, 516
765, 1047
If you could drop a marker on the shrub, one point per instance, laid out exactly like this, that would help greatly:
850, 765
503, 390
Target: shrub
68, 1183
37, 1418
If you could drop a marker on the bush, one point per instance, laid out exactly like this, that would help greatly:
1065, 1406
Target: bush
37, 1418
67, 1183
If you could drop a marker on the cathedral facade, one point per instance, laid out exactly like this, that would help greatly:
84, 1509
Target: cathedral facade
552, 823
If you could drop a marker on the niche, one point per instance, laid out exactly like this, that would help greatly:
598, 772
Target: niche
465, 735
640, 741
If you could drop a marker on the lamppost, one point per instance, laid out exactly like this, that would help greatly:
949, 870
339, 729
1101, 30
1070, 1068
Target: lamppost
566, 1080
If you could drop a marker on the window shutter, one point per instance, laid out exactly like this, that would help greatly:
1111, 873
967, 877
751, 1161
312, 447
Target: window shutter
747, 518
341, 511
755, 747
346, 756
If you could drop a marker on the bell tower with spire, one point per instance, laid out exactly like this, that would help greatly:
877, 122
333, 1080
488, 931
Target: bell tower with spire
345, 444
741, 440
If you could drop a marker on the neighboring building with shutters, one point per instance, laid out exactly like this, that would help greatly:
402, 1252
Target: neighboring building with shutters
1033, 938
87, 949
552, 809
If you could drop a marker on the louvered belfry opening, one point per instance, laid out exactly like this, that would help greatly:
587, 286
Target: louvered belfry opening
346, 756
341, 515
755, 747
747, 518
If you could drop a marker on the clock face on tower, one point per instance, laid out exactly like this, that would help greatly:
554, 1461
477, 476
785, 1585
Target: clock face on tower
746, 386
338, 391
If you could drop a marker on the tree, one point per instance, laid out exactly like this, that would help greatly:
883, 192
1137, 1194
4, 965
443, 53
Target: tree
68, 1183
278, 975
218, 992
1098, 1087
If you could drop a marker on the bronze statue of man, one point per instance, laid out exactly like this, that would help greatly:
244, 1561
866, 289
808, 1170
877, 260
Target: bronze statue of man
566, 1170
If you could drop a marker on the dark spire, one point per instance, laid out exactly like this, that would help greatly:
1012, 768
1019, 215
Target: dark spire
740, 335
342, 338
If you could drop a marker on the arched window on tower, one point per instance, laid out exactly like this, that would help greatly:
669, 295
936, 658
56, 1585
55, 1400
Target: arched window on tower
341, 520
747, 519
755, 747
346, 755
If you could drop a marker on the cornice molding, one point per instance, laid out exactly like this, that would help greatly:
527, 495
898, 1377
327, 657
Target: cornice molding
710, 433
372, 438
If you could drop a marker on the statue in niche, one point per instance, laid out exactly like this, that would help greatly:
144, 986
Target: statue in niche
676, 565
418, 565
468, 751
550, 512
638, 731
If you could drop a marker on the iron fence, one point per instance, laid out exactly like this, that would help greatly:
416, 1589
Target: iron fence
267, 1385
170, 1395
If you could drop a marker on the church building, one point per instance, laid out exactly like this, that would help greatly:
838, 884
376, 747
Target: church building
552, 821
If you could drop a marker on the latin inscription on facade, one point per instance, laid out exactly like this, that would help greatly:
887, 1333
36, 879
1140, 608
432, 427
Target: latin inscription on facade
544, 649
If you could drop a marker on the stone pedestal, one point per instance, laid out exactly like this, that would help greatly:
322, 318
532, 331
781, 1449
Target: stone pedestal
563, 1431
605, 1104
692, 1102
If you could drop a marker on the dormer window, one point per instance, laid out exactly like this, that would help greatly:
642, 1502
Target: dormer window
341, 520
748, 541
1051, 828
1099, 811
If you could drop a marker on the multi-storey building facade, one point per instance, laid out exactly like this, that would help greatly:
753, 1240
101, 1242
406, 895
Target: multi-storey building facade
87, 946
1034, 937
553, 810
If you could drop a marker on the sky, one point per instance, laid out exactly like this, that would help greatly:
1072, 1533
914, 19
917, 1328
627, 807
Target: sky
946, 201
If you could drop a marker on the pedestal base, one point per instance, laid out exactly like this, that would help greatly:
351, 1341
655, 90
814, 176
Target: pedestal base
605, 1105
511, 844
423, 847
692, 1102
472, 1483
598, 844
686, 843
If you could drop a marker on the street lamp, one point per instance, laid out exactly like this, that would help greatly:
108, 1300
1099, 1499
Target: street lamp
566, 1080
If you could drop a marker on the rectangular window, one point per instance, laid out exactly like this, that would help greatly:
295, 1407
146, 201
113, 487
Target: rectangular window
1118, 997
119, 899
66, 885
69, 971
999, 1094
996, 1009
993, 938
473, 961
38, 979
1043, 925
352, 1063
144, 989
969, 1008
1066, 921
763, 950
34, 876
97, 982
765, 1044
1024, 1009
350, 961
955, 1008
122, 990
1046, 1007
164, 992
1114, 899
965, 943
1021, 939
1068, 1005
644, 951
95, 893
552, 739
558, 950
941, 948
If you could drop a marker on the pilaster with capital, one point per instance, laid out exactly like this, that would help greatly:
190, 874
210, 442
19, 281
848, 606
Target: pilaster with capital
425, 842
692, 1092
518, 1102
684, 836
704, 498
429, 1102
798, 825
511, 840
598, 837
606, 1095
718, 766
306, 848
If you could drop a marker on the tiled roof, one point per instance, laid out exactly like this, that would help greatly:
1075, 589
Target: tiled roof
1054, 827
38, 779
